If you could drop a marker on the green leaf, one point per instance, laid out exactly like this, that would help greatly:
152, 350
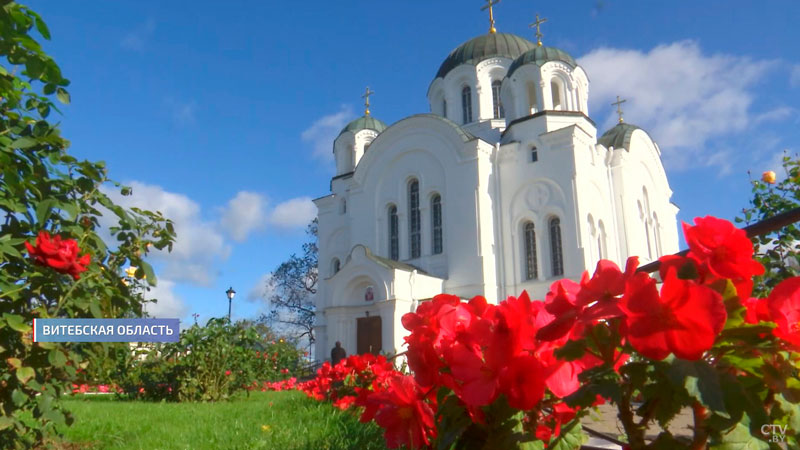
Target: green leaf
63, 95
56, 358
16, 322
571, 351
147, 269
25, 373
6, 422
571, 437
739, 438
24, 142
700, 380
42, 28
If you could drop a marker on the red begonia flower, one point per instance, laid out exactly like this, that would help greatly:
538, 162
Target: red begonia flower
522, 381
60, 255
404, 415
757, 310
784, 308
685, 319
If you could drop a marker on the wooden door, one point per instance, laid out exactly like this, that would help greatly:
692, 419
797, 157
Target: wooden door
369, 335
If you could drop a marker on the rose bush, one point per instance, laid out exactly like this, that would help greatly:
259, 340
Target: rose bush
522, 373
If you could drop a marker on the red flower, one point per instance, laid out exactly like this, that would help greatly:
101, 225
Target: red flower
725, 250
685, 319
404, 415
227, 373
61, 256
522, 382
784, 308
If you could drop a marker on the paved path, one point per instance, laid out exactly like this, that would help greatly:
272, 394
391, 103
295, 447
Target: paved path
605, 421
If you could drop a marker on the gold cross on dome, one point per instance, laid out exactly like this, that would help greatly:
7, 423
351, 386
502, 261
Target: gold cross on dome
618, 104
537, 24
488, 5
366, 95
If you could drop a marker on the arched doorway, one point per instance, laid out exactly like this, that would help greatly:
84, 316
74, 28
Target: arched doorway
368, 335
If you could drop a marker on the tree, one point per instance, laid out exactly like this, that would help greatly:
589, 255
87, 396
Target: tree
50, 200
292, 287
778, 251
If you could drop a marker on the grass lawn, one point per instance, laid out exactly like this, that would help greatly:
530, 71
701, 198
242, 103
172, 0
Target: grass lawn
271, 420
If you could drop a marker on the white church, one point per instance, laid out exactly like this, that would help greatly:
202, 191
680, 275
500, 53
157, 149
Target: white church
504, 186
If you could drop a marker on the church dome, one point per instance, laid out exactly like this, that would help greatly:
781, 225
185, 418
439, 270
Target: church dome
483, 47
364, 123
619, 136
539, 55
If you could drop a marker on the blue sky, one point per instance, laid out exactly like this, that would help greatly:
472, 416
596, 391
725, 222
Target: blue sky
222, 114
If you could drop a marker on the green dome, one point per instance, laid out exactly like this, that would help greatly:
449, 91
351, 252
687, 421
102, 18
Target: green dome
364, 123
619, 136
483, 47
539, 56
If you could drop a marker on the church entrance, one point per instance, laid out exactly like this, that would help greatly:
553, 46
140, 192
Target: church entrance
368, 336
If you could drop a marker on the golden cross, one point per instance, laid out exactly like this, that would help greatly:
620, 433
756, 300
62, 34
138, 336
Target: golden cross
618, 104
488, 5
366, 95
537, 24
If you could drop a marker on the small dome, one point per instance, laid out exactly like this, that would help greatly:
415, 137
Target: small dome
619, 136
364, 123
540, 55
483, 47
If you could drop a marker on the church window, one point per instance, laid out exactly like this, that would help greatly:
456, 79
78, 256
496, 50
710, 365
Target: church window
415, 238
657, 235
602, 252
343, 207
335, 266
444, 108
555, 89
394, 229
534, 154
532, 105
531, 269
497, 105
556, 252
466, 105
436, 222
646, 222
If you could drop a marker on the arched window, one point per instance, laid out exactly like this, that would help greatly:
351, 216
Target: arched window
602, 252
556, 252
497, 105
394, 230
555, 89
335, 266
534, 154
532, 104
436, 223
466, 105
646, 222
414, 234
531, 266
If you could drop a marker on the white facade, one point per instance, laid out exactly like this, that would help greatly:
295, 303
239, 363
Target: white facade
506, 199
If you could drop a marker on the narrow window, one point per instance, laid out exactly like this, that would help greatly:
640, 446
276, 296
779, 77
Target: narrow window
343, 208
497, 105
414, 220
556, 91
394, 247
466, 105
531, 269
657, 235
601, 241
534, 154
556, 253
532, 106
444, 108
335, 266
647, 222
436, 222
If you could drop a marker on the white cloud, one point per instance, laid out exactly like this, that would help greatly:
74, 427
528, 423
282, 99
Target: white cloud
262, 290
324, 130
182, 113
169, 304
794, 77
681, 96
198, 244
779, 113
244, 214
137, 39
294, 213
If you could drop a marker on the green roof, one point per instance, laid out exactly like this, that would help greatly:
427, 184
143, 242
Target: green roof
539, 56
619, 136
364, 123
484, 47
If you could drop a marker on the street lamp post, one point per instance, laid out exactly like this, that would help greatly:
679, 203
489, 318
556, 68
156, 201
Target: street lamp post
230, 293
